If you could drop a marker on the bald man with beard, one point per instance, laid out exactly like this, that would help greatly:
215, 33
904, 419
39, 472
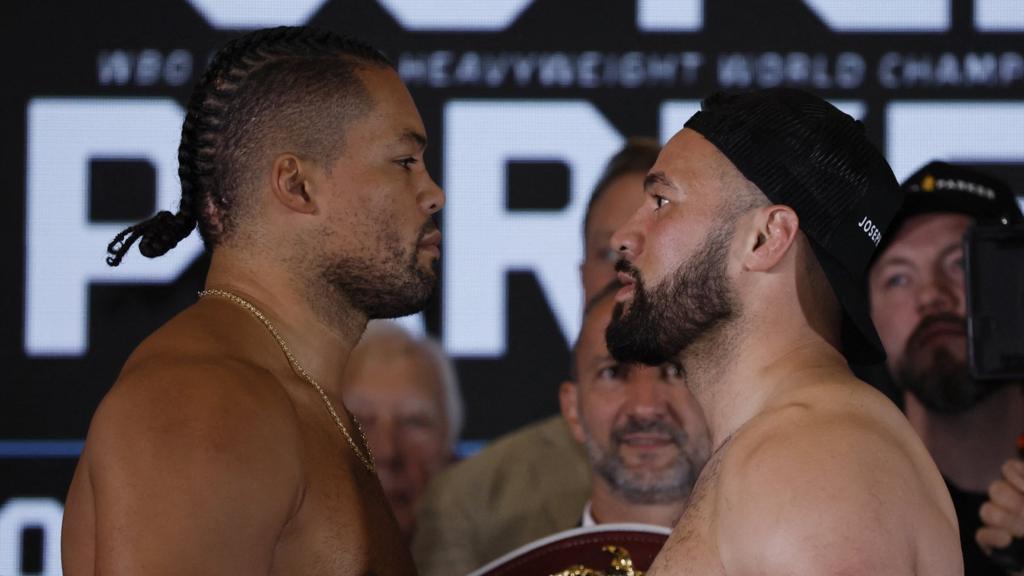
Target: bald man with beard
746, 261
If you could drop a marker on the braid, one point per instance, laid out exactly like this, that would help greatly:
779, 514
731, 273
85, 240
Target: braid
215, 134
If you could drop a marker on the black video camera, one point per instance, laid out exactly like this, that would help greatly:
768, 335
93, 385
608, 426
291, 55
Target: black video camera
994, 262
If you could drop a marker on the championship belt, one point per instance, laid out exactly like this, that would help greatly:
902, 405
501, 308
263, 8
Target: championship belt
601, 550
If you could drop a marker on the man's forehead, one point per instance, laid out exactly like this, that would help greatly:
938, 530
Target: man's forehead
402, 400
926, 235
689, 156
396, 381
392, 103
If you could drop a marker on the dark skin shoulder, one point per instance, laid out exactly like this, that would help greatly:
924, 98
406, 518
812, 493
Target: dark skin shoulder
209, 456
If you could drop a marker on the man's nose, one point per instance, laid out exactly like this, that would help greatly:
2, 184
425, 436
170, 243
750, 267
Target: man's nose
646, 398
432, 198
939, 294
384, 442
628, 241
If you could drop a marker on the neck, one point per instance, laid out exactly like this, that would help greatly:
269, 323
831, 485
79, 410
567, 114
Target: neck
607, 507
738, 371
320, 334
970, 447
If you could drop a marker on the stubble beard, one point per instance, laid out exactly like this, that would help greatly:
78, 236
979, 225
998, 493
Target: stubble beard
662, 323
389, 285
672, 483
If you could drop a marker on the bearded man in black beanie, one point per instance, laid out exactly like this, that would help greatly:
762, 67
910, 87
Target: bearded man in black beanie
747, 260
918, 301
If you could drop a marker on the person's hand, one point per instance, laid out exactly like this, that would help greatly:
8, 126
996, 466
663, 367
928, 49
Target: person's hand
1003, 513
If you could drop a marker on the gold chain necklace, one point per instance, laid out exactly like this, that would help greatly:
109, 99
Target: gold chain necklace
367, 458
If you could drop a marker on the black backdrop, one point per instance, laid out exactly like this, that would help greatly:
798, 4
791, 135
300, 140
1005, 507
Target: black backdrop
523, 101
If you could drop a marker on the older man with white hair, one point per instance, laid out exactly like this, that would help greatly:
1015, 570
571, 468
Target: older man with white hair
405, 393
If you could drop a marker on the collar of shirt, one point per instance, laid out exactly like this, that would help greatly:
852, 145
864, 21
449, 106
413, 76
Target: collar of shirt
588, 517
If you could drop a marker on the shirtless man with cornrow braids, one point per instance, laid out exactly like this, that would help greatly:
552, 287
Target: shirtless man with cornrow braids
224, 446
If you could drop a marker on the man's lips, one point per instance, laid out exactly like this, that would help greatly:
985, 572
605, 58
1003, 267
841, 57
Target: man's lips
940, 330
431, 243
628, 287
647, 440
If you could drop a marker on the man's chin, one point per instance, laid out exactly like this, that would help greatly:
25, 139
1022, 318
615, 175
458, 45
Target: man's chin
408, 305
942, 383
951, 349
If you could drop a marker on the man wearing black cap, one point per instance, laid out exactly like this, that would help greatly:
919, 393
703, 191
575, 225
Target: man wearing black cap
918, 303
748, 259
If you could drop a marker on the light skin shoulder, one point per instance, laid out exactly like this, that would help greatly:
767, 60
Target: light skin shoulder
819, 509
827, 478
837, 491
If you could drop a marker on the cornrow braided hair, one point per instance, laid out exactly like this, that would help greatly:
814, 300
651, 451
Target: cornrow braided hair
215, 124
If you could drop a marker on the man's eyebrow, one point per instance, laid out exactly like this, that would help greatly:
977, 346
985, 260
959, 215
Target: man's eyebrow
599, 359
900, 260
951, 248
894, 261
417, 139
656, 179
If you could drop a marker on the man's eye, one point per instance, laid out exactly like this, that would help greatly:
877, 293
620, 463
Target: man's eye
407, 163
609, 255
418, 422
659, 201
613, 372
896, 280
671, 371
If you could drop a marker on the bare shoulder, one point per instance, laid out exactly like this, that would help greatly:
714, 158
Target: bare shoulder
181, 393
180, 450
832, 481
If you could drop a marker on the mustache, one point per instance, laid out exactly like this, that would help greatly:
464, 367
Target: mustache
626, 267
943, 319
428, 227
635, 425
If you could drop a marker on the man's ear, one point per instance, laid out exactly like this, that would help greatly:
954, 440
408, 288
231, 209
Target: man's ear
568, 398
770, 235
291, 183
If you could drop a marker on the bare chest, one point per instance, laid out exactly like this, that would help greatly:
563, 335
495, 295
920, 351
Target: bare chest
343, 525
692, 549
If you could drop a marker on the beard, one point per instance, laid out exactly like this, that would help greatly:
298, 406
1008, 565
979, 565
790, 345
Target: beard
935, 376
645, 485
659, 324
390, 286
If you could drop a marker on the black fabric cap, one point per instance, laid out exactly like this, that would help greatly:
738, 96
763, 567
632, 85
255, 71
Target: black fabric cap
942, 187
805, 153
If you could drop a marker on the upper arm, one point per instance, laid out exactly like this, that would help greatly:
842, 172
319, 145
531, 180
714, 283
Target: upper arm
795, 505
194, 470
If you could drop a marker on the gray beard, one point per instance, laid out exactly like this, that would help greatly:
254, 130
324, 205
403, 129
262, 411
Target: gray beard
671, 484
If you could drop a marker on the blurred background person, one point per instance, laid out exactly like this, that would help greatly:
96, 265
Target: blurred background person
405, 393
918, 304
534, 481
616, 196
644, 433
